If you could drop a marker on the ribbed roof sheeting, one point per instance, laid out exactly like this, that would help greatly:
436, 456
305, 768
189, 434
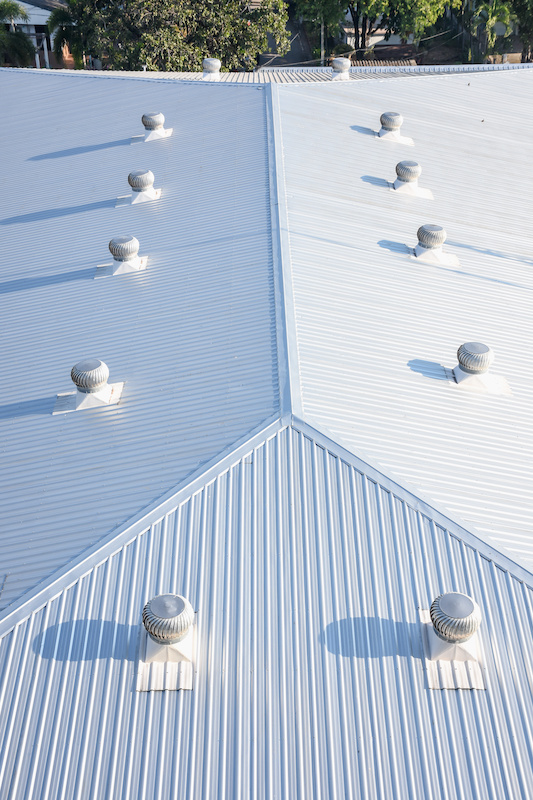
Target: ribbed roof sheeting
296, 74
193, 336
375, 328
307, 576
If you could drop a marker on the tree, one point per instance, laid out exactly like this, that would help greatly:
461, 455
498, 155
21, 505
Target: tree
492, 16
76, 26
523, 10
413, 17
14, 44
366, 18
401, 17
171, 34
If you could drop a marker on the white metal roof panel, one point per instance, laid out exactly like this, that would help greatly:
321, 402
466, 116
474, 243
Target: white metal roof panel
193, 336
307, 570
375, 328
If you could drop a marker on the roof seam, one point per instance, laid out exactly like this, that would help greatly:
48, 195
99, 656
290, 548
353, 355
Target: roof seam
288, 366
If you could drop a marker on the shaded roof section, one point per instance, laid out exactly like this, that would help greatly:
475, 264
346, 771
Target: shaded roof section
193, 336
308, 571
375, 329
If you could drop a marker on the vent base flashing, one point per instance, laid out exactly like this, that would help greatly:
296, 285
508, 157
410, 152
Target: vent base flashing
165, 666
451, 666
159, 133
146, 196
434, 256
78, 401
411, 189
121, 267
481, 383
395, 136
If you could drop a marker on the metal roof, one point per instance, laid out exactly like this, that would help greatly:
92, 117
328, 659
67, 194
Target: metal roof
375, 329
279, 302
193, 336
294, 75
308, 572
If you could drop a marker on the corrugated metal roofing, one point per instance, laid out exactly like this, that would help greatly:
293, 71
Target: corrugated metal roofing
307, 567
307, 571
375, 328
193, 336
297, 74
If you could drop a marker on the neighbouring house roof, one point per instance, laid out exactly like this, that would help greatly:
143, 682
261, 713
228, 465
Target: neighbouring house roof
283, 455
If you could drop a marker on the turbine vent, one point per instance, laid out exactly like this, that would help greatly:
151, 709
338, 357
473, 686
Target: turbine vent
153, 120
211, 69
167, 618
475, 357
431, 237
90, 375
154, 125
124, 248
142, 184
341, 69
455, 617
408, 171
391, 121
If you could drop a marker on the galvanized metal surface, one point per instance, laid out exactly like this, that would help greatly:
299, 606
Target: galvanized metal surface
375, 328
192, 336
307, 577
292, 75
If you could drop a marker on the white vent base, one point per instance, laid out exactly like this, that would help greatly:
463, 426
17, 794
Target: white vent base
395, 136
436, 256
211, 76
145, 197
77, 401
451, 666
411, 189
121, 267
165, 667
340, 76
160, 133
484, 383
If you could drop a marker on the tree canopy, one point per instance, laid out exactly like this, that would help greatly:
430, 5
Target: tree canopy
402, 17
14, 44
171, 34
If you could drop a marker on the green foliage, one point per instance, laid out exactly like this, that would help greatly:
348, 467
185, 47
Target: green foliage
489, 15
523, 10
401, 17
15, 46
413, 17
171, 34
